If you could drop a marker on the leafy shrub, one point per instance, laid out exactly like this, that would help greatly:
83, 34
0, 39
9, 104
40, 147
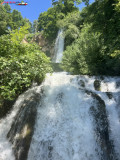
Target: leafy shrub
17, 74
20, 65
8, 48
29, 37
114, 63
85, 55
47, 23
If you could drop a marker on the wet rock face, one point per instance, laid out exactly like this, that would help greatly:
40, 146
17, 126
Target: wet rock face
109, 94
117, 84
97, 85
22, 129
102, 127
46, 46
81, 83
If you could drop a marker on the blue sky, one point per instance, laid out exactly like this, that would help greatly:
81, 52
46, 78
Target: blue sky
35, 7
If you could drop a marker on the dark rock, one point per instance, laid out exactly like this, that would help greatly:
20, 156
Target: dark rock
102, 78
59, 97
102, 127
46, 46
109, 94
117, 84
22, 129
97, 85
81, 83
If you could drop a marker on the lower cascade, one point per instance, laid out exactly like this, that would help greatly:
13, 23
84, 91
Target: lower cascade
66, 118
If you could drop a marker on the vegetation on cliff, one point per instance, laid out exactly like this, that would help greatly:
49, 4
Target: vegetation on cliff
92, 36
92, 39
20, 64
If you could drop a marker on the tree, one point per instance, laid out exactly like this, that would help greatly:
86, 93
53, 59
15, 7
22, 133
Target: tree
7, 8
85, 55
47, 22
97, 50
117, 5
5, 19
66, 6
17, 19
69, 5
26, 21
17, 35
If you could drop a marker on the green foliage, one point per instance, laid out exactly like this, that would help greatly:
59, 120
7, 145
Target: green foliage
17, 35
5, 20
92, 39
17, 19
85, 55
47, 22
114, 62
66, 6
105, 19
27, 22
11, 44
71, 24
17, 74
20, 64
7, 8
11, 20
117, 5
50, 21
8, 49
29, 37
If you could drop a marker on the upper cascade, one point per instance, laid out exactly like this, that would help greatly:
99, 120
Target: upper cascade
59, 47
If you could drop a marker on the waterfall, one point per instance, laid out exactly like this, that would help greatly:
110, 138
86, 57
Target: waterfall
59, 47
75, 121
78, 118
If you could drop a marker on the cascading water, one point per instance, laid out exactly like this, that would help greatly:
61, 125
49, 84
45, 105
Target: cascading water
59, 47
74, 120
78, 118
5, 125
6, 148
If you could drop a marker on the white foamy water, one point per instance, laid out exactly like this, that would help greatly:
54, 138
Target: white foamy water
5, 125
59, 47
112, 112
65, 127
6, 152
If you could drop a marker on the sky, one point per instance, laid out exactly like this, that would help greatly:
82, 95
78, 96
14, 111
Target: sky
35, 7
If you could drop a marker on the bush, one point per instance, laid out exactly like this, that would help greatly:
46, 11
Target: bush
85, 55
8, 49
29, 37
17, 74
20, 65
